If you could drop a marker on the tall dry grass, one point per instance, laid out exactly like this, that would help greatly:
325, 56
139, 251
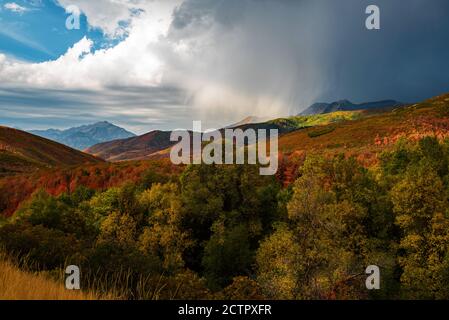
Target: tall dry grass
19, 285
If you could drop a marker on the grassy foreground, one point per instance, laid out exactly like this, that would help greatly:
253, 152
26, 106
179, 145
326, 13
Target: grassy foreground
20, 285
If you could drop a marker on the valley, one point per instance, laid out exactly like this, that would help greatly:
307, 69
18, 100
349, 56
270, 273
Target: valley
223, 231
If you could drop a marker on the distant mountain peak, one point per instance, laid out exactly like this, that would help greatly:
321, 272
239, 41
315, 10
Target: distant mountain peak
85, 136
104, 123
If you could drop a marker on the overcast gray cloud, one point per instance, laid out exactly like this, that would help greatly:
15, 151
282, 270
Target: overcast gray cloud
222, 60
135, 108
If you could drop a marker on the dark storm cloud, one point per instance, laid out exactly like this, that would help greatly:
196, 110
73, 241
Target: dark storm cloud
311, 50
407, 59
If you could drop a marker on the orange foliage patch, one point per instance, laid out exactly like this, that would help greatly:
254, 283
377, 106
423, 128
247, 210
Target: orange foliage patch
16, 189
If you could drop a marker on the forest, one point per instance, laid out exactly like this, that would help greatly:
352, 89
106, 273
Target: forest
226, 232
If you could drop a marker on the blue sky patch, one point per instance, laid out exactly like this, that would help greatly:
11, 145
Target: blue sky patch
39, 33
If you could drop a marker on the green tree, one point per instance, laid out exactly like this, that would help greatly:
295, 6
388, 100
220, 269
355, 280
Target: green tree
276, 264
420, 206
164, 237
54, 213
227, 254
150, 177
233, 195
120, 228
434, 155
326, 236
44, 248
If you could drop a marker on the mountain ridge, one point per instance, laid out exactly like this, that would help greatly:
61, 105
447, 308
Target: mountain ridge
85, 136
346, 105
248, 120
133, 148
155, 143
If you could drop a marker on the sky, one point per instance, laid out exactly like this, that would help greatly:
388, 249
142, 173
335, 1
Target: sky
150, 64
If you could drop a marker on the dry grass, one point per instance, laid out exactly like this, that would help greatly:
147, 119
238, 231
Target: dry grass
20, 285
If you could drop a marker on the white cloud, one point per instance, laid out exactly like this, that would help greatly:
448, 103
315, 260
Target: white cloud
208, 59
133, 61
14, 7
114, 16
106, 15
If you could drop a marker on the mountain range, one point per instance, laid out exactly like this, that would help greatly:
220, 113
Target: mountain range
111, 142
24, 152
346, 105
85, 136
156, 143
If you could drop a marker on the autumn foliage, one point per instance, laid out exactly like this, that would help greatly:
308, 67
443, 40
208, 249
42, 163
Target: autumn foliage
373, 191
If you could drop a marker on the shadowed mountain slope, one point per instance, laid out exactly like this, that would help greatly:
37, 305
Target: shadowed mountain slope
23, 152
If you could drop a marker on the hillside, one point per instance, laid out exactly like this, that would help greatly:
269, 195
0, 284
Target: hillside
361, 131
301, 122
85, 136
23, 152
367, 136
136, 148
374, 129
247, 120
346, 105
155, 143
